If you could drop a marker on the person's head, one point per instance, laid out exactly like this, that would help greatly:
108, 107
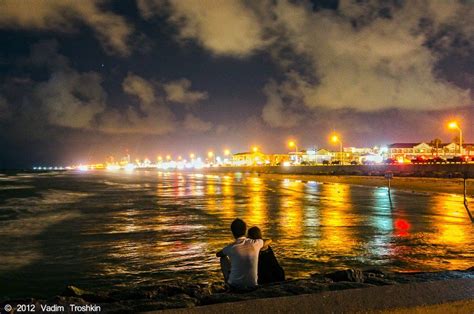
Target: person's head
254, 233
238, 228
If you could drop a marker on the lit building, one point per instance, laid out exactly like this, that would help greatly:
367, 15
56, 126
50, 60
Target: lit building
253, 158
278, 159
310, 156
297, 157
412, 150
408, 150
318, 156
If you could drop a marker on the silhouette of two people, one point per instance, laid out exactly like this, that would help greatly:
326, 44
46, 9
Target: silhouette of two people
249, 260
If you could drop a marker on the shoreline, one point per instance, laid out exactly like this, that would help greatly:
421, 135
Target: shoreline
454, 295
413, 184
400, 181
193, 296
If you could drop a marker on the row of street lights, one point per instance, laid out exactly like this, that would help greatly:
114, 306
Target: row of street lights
210, 154
334, 139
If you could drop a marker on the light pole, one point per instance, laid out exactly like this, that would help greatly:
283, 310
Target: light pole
336, 139
455, 125
255, 157
211, 155
292, 144
226, 156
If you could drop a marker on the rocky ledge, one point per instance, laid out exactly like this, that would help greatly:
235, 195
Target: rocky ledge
185, 295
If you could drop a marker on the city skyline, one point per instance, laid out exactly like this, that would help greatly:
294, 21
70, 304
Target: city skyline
148, 75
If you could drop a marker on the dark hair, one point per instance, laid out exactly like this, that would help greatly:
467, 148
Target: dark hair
238, 227
254, 233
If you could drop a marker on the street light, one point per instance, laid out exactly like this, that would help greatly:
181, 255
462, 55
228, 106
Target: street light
226, 152
192, 156
168, 157
255, 149
211, 155
455, 125
336, 139
292, 144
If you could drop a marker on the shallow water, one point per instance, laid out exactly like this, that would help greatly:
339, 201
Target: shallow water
100, 230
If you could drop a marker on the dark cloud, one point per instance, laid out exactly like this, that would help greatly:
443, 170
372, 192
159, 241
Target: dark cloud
72, 99
193, 123
179, 91
369, 55
223, 27
77, 100
4, 109
276, 112
151, 116
111, 29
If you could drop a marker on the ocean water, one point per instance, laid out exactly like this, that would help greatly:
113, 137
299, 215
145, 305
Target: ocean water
104, 230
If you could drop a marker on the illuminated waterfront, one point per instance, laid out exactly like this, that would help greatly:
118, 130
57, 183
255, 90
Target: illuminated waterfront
102, 229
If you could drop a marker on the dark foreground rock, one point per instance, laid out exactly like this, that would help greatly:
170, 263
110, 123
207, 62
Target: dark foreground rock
185, 295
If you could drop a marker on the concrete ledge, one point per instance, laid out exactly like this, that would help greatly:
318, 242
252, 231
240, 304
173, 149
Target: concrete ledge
446, 296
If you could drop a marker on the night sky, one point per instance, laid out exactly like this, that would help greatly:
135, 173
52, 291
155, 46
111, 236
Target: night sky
83, 80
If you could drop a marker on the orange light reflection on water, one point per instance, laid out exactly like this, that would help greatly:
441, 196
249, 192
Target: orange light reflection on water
310, 223
228, 204
336, 227
451, 220
291, 207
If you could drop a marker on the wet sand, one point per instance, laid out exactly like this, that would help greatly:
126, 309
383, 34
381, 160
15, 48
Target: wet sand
415, 184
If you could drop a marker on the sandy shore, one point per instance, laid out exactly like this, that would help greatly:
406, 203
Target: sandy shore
415, 184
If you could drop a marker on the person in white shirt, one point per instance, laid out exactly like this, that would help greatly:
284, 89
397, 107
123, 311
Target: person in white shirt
239, 260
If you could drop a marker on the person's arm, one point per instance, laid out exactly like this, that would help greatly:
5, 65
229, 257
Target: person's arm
263, 244
223, 252
266, 243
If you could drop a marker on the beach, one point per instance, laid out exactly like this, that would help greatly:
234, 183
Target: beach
414, 184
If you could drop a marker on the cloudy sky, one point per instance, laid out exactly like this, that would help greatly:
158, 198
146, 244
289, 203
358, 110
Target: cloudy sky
82, 80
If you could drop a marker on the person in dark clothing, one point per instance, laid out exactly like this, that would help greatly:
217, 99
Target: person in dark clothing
268, 268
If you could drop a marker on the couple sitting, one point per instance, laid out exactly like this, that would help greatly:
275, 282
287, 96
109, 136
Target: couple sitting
249, 261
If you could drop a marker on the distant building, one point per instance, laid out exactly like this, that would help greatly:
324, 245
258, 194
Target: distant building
320, 156
408, 150
453, 149
360, 150
297, 157
278, 159
412, 150
310, 156
250, 159
361, 154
